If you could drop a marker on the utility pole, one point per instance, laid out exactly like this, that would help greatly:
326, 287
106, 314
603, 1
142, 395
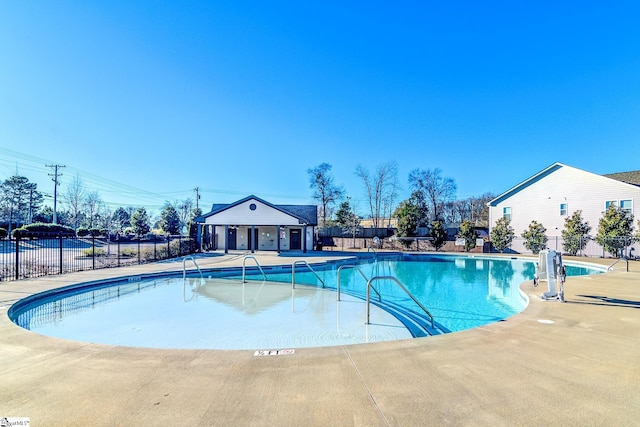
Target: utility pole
197, 190
55, 176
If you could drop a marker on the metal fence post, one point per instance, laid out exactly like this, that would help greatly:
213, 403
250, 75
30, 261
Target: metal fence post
118, 240
17, 256
93, 252
60, 252
168, 246
138, 250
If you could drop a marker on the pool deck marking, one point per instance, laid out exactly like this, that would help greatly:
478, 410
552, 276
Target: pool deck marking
287, 352
582, 370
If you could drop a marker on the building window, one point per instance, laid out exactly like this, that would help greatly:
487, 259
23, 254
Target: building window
610, 203
506, 213
563, 209
626, 206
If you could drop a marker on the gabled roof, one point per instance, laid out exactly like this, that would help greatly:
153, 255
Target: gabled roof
632, 177
535, 178
306, 214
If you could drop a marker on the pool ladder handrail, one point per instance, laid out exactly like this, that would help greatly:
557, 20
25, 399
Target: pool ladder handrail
244, 262
624, 258
373, 279
361, 273
293, 272
184, 267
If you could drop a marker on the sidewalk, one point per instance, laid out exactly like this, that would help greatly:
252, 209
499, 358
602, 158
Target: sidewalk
553, 364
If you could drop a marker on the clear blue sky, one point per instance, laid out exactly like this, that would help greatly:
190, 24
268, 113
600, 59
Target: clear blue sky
146, 100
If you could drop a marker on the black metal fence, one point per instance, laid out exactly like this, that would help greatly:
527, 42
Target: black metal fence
42, 255
614, 247
584, 246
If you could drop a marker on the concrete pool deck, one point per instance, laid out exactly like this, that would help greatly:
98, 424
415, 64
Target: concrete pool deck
553, 364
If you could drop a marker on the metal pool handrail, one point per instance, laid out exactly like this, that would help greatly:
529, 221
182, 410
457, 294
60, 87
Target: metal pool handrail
184, 267
373, 279
361, 273
293, 272
610, 268
244, 261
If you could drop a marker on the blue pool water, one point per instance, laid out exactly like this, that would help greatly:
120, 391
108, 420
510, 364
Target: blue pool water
220, 312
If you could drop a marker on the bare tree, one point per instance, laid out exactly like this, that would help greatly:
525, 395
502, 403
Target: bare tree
74, 198
479, 208
434, 189
184, 209
390, 199
456, 211
380, 189
92, 204
324, 189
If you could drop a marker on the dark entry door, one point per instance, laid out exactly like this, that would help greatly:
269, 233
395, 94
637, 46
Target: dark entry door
250, 240
296, 239
231, 239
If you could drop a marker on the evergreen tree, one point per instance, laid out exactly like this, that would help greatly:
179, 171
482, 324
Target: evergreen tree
348, 220
140, 222
44, 215
121, 219
535, 238
170, 220
502, 234
575, 234
614, 230
468, 234
438, 234
408, 215
19, 200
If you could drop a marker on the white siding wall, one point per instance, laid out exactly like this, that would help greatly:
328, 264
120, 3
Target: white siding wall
579, 189
243, 215
264, 242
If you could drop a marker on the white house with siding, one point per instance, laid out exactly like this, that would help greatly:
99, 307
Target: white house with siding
555, 193
252, 224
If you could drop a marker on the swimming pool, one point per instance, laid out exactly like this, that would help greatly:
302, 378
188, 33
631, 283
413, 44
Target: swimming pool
220, 312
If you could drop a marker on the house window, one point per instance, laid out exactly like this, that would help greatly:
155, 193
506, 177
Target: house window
626, 206
506, 213
610, 203
563, 209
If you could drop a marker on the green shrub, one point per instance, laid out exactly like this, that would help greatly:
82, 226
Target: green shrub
502, 234
535, 238
38, 229
91, 252
129, 253
469, 234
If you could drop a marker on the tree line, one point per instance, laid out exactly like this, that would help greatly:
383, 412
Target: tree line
432, 202
84, 212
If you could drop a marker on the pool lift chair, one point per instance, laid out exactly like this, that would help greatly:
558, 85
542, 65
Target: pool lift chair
551, 269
